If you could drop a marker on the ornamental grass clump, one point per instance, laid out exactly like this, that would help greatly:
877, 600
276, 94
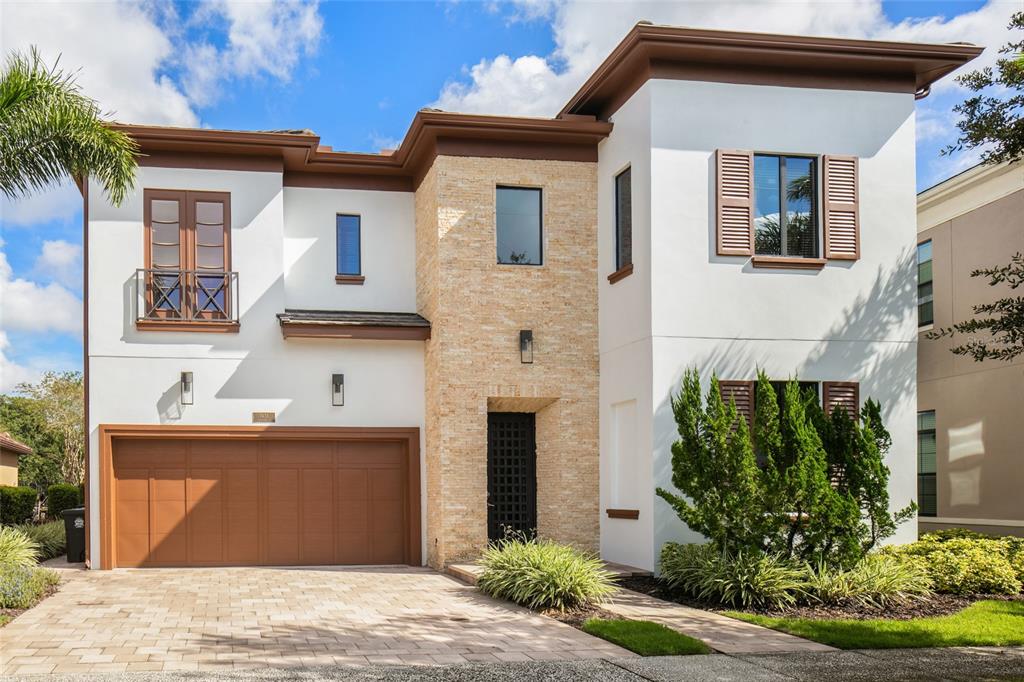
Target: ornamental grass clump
17, 548
49, 537
877, 580
541, 575
747, 579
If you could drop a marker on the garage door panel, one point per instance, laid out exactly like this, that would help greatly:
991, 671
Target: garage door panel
247, 502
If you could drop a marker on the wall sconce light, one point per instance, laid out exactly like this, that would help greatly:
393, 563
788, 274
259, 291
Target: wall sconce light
526, 346
186, 388
338, 390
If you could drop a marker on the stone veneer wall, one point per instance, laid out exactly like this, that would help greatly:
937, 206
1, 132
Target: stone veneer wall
477, 308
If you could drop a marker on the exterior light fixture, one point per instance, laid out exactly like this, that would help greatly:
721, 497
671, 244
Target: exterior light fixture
526, 346
186, 388
338, 390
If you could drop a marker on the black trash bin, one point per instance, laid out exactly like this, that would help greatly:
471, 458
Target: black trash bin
74, 528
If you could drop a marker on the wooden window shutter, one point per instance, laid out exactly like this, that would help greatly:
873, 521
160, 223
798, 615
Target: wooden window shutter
734, 203
844, 394
840, 196
742, 392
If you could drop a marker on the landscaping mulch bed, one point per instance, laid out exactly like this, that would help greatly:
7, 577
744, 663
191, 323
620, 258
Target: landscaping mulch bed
577, 617
936, 605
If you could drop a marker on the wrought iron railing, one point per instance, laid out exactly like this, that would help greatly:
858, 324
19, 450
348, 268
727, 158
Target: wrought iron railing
186, 295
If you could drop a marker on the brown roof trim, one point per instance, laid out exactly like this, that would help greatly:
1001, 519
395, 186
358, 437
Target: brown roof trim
307, 163
650, 51
9, 442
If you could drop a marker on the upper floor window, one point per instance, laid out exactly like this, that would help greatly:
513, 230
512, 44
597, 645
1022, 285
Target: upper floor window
925, 305
785, 206
187, 274
927, 495
623, 219
349, 254
519, 229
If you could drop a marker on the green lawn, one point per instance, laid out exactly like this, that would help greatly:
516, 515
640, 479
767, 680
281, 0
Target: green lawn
644, 637
985, 623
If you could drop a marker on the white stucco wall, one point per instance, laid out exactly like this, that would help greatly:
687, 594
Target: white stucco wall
848, 322
280, 251
388, 250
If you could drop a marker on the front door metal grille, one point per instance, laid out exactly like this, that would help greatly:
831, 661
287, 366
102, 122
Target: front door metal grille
511, 474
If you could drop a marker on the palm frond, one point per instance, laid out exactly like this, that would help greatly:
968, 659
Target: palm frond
49, 131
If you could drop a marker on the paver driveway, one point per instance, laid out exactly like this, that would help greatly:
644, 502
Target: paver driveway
202, 619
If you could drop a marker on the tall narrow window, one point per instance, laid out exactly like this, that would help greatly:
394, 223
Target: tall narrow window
518, 216
927, 494
623, 219
925, 303
349, 259
785, 206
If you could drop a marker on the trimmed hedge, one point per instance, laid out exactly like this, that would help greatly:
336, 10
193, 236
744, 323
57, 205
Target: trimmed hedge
61, 496
16, 504
963, 562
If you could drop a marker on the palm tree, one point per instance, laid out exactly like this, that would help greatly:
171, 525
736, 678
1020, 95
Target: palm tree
49, 131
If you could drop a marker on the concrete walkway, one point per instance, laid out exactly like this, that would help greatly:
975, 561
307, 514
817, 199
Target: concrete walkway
955, 665
721, 633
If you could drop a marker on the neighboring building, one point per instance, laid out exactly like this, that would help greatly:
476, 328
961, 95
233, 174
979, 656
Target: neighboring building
302, 356
970, 456
10, 450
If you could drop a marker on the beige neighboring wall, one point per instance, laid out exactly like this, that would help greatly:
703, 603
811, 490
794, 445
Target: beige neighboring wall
10, 450
974, 220
477, 308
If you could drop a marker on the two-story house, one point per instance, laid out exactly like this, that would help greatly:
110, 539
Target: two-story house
302, 356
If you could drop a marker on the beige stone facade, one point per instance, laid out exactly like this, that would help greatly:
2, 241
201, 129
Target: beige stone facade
473, 365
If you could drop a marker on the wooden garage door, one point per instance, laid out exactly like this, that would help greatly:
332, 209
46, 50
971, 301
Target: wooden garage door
197, 502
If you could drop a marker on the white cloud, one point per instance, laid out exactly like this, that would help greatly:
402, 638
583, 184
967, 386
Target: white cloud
585, 32
28, 306
53, 203
61, 262
30, 370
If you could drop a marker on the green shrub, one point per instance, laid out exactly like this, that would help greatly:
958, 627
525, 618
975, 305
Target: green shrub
540, 574
61, 496
877, 580
23, 586
48, 536
746, 579
962, 562
16, 548
16, 504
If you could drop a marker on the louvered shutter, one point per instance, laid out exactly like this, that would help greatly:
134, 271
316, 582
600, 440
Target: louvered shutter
844, 394
742, 392
735, 202
840, 197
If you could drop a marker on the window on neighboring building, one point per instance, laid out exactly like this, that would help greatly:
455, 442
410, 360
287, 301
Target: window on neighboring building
925, 305
785, 211
927, 496
518, 217
349, 260
623, 219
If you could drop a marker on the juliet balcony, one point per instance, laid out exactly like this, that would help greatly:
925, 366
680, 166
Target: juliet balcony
186, 300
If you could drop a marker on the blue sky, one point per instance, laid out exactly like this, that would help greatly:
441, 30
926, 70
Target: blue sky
356, 73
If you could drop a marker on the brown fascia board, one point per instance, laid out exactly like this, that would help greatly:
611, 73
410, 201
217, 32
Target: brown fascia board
650, 51
306, 163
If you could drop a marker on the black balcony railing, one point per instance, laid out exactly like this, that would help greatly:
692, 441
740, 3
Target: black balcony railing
186, 295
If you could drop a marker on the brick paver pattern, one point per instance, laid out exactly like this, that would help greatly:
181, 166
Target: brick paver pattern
231, 618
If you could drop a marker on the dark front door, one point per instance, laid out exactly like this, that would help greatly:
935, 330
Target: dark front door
511, 474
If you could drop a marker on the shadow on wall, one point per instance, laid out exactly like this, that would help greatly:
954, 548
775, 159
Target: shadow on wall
878, 316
